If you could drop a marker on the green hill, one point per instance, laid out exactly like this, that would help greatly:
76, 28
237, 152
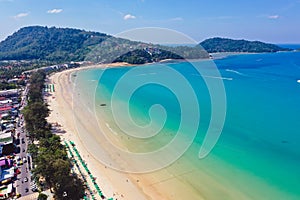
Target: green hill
215, 45
66, 44
45, 43
59, 45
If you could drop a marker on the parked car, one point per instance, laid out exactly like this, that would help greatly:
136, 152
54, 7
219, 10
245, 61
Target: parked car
17, 158
34, 188
20, 163
18, 171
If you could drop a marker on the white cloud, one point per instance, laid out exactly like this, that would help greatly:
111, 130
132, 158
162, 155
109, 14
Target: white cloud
129, 16
273, 16
21, 15
176, 19
54, 11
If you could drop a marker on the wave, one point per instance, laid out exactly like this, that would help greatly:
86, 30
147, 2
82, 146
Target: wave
234, 71
298, 81
219, 77
216, 77
107, 125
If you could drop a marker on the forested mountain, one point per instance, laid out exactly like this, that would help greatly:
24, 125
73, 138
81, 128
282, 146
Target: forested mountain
66, 44
58, 45
215, 45
61, 44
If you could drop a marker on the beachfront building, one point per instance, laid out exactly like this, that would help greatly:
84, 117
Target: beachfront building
55, 67
7, 105
7, 174
7, 191
7, 146
9, 93
6, 163
5, 109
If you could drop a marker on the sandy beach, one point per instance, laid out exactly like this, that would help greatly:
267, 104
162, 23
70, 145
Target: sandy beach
181, 180
112, 183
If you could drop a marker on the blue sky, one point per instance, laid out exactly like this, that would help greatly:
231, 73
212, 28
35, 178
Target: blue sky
275, 21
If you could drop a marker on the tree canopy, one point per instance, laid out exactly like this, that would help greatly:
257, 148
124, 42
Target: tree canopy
215, 45
61, 45
49, 155
65, 44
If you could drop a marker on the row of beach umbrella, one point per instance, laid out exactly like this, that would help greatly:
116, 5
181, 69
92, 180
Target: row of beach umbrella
82, 175
49, 87
88, 171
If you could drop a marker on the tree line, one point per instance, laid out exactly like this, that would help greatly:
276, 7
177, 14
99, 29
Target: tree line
49, 155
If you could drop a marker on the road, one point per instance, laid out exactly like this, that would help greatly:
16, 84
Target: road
20, 184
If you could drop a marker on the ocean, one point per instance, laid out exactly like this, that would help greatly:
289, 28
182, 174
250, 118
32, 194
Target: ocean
161, 116
290, 46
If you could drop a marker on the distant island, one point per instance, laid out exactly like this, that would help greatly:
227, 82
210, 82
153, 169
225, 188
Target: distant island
59, 45
217, 45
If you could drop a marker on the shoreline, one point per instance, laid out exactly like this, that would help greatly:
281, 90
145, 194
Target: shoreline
172, 182
112, 183
162, 184
178, 181
222, 55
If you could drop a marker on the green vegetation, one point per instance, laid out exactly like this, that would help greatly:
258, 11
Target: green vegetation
49, 155
60, 45
215, 45
141, 56
13, 69
42, 45
6, 86
42, 196
52, 44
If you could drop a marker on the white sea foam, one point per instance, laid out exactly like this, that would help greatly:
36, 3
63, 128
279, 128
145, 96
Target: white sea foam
219, 77
216, 77
234, 71
298, 81
107, 125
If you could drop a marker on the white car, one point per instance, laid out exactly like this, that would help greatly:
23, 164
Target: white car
34, 188
17, 158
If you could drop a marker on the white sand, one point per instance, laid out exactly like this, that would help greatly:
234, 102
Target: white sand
112, 183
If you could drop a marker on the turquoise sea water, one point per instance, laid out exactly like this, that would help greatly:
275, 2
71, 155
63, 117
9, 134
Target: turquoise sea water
258, 152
